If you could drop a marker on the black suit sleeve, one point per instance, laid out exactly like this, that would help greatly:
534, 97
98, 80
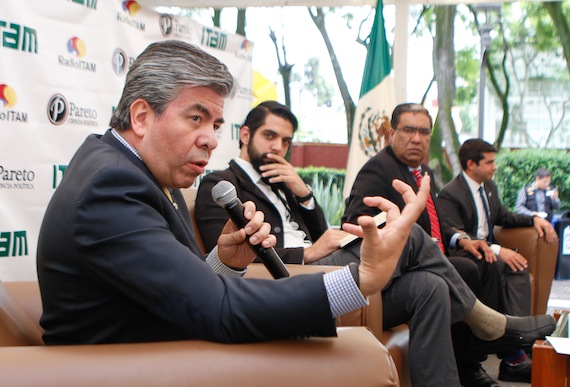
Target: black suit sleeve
454, 215
372, 180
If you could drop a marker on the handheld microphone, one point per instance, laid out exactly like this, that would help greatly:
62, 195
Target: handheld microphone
224, 195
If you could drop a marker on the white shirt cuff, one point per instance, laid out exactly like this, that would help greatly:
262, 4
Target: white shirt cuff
219, 267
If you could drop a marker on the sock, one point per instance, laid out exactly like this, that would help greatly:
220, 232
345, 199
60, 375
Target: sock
486, 323
515, 357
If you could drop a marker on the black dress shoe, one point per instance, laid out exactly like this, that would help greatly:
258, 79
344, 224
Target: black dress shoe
477, 377
520, 372
530, 328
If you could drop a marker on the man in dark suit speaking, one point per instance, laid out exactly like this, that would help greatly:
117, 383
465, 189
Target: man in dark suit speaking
117, 256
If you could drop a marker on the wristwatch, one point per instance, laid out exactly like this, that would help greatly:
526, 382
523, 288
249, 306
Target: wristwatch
460, 237
306, 197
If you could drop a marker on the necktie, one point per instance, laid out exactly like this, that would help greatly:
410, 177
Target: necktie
430, 207
487, 213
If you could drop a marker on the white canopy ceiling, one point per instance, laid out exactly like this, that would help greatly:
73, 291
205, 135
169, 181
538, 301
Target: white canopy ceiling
304, 3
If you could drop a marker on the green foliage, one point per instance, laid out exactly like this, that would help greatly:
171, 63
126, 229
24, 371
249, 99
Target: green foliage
467, 65
327, 186
317, 84
516, 168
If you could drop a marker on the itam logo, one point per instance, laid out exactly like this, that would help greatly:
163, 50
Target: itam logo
132, 7
8, 96
76, 46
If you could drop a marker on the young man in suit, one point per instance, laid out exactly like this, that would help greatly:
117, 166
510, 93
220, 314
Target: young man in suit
469, 209
410, 137
425, 289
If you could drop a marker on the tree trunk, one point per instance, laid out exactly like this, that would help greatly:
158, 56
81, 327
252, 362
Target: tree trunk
284, 67
561, 24
349, 105
240, 28
444, 69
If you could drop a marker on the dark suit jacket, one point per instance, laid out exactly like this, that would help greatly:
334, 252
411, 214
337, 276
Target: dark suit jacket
458, 212
117, 262
375, 179
211, 218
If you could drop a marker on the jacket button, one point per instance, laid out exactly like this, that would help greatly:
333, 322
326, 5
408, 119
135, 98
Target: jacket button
277, 229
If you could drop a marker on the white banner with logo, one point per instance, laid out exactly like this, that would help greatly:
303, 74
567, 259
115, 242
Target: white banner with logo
62, 70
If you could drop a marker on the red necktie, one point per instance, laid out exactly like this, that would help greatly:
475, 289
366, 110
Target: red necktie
430, 207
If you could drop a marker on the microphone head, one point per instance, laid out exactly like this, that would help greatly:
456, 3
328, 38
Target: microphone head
224, 193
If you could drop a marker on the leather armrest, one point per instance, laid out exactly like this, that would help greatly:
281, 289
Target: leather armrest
541, 257
355, 358
370, 316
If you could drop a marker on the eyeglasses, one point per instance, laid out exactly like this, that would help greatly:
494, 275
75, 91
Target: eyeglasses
410, 130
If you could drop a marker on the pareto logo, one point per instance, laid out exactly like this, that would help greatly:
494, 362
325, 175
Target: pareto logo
77, 47
165, 22
121, 62
132, 8
19, 37
242, 92
170, 25
60, 111
373, 131
8, 99
8, 96
16, 178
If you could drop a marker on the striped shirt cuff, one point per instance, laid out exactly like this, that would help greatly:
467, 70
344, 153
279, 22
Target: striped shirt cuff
342, 292
218, 266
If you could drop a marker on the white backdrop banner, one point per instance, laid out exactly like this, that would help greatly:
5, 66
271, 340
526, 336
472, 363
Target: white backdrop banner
62, 69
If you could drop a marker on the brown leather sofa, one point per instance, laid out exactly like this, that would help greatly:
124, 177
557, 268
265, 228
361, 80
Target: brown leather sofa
355, 357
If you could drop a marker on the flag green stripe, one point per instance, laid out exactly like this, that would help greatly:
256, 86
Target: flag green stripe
378, 64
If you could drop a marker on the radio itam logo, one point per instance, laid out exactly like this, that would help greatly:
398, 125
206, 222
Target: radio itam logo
8, 96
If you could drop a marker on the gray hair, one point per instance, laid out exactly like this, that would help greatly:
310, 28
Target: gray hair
159, 73
408, 108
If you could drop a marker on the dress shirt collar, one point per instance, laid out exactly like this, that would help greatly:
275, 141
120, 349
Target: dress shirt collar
249, 169
473, 185
125, 143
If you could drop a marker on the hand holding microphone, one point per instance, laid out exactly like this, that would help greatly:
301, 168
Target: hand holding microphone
224, 195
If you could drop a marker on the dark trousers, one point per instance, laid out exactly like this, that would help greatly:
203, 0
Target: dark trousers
428, 294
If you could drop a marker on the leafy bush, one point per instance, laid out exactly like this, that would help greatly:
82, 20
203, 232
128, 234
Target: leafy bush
327, 186
517, 168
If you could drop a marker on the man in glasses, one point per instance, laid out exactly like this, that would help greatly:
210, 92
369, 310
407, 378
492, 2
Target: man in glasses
404, 159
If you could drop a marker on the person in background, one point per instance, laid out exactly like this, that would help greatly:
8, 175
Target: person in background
469, 209
425, 289
538, 198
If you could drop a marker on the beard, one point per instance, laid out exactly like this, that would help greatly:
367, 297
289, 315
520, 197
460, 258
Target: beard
257, 160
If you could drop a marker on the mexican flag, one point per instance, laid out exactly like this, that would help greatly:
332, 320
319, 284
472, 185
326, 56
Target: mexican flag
377, 100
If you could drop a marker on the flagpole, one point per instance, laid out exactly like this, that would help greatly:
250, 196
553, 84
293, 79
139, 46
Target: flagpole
401, 51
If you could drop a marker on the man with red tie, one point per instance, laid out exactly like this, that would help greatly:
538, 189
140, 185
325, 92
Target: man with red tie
404, 159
